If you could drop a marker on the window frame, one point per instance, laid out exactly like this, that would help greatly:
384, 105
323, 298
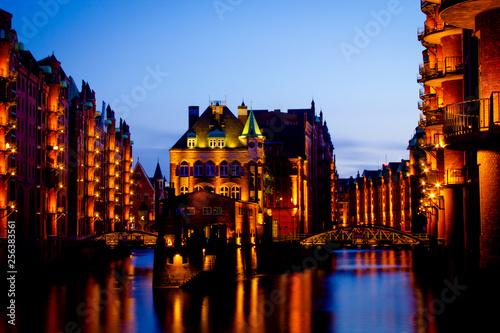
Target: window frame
184, 169
210, 169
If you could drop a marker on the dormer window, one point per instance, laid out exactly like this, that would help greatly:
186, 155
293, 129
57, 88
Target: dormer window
191, 139
217, 139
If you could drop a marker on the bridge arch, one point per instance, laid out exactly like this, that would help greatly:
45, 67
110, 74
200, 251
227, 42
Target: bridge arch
366, 235
114, 238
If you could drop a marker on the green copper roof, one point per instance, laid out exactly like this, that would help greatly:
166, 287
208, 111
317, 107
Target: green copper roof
251, 127
216, 133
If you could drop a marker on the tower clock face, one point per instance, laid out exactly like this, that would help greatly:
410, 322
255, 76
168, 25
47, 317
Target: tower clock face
251, 144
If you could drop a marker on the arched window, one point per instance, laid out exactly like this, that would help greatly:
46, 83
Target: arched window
198, 188
210, 169
235, 169
224, 169
184, 190
235, 192
184, 169
251, 176
198, 169
210, 189
224, 190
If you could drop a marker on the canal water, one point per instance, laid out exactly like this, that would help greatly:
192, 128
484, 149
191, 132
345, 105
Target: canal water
363, 291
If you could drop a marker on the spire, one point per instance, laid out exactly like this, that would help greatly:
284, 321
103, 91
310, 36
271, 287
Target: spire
158, 174
251, 127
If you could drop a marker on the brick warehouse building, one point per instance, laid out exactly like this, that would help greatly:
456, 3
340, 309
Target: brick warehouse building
147, 193
52, 138
380, 197
460, 170
222, 154
299, 156
226, 154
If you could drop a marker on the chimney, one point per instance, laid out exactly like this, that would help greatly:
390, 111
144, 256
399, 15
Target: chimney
194, 114
243, 113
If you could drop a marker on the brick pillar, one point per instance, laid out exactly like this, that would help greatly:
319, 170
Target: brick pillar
489, 35
453, 198
441, 233
489, 188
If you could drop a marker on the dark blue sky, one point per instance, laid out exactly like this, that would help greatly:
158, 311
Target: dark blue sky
152, 59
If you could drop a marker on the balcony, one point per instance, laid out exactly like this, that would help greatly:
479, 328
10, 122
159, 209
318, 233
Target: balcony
10, 75
430, 103
462, 13
432, 33
428, 6
433, 74
473, 123
434, 118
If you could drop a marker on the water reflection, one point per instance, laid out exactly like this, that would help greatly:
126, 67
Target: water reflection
367, 291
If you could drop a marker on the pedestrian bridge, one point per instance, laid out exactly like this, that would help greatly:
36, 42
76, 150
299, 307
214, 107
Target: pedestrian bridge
367, 236
132, 238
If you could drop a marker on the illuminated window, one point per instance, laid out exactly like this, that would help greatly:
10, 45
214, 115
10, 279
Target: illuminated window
212, 143
207, 210
235, 192
190, 211
224, 190
235, 169
217, 211
198, 188
198, 169
184, 190
210, 169
184, 169
221, 143
224, 169
191, 143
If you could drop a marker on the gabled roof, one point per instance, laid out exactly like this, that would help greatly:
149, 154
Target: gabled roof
138, 167
207, 122
51, 58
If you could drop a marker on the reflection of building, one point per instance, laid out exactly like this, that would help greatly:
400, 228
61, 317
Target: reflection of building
299, 156
147, 193
380, 197
65, 168
461, 117
221, 153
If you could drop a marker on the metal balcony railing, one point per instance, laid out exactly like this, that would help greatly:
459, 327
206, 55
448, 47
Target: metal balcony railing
441, 68
472, 116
